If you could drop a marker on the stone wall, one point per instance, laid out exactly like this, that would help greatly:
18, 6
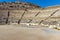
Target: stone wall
34, 15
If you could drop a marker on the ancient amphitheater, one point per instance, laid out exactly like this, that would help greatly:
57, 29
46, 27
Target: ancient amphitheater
19, 12
26, 21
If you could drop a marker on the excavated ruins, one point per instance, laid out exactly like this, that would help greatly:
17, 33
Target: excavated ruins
26, 21
28, 14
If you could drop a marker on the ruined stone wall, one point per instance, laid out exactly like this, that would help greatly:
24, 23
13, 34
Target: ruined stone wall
30, 14
33, 14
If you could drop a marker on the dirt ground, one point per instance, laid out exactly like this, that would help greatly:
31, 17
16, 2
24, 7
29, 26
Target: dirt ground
12, 32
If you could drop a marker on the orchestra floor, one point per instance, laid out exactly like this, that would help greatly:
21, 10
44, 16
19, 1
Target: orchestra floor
15, 32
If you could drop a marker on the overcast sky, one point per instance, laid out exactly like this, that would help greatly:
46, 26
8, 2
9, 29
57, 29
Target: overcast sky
42, 3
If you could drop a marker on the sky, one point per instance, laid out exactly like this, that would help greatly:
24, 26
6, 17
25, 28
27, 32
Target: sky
41, 3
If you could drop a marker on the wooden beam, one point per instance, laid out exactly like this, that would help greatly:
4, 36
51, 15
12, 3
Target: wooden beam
48, 17
21, 17
7, 17
34, 16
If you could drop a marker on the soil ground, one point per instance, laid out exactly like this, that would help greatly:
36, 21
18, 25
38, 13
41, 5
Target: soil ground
15, 32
